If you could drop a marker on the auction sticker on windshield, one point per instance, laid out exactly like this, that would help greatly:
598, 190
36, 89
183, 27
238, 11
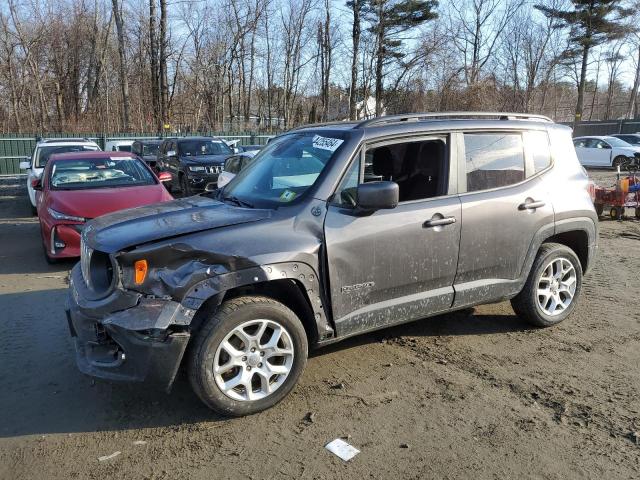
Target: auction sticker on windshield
326, 143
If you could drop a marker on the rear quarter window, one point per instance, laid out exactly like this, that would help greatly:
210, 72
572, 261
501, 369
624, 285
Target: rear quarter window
537, 145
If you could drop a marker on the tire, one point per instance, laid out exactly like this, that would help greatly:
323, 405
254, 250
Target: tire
638, 212
619, 161
528, 304
207, 350
34, 211
50, 260
616, 213
184, 186
599, 209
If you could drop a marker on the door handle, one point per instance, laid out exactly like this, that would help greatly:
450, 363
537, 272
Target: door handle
439, 222
531, 205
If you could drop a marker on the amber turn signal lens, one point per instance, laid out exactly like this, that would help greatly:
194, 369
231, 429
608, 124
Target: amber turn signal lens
140, 268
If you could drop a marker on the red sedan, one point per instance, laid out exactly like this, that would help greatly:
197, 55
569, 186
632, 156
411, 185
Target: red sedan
76, 187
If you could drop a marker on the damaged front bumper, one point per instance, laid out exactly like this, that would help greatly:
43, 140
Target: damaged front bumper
127, 337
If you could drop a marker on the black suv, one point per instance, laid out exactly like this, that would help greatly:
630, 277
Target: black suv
192, 161
333, 231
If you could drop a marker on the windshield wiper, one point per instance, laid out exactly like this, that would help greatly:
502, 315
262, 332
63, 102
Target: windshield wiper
236, 200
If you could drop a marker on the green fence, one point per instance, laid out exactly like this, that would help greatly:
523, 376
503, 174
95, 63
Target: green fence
16, 148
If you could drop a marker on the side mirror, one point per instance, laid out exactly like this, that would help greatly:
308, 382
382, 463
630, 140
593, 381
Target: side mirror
237, 150
211, 187
378, 195
36, 184
164, 176
25, 165
171, 153
606, 147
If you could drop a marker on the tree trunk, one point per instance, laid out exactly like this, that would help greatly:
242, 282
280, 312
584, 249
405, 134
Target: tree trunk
379, 58
164, 84
634, 91
581, 85
354, 60
153, 54
124, 82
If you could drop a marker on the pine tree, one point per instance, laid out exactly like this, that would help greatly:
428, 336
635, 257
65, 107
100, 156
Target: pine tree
389, 19
591, 23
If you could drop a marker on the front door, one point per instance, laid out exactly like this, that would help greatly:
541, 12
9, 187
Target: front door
396, 265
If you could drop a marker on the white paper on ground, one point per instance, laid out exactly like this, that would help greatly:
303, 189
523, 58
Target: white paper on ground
342, 449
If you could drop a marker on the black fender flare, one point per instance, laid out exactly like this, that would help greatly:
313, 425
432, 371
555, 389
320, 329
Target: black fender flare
583, 224
302, 273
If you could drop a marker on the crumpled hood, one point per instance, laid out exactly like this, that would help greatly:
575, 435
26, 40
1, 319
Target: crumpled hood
127, 228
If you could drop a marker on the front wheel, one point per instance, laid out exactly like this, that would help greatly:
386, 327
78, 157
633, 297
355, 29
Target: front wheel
619, 161
248, 356
553, 287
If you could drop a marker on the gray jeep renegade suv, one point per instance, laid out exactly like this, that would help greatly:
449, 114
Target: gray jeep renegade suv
334, 230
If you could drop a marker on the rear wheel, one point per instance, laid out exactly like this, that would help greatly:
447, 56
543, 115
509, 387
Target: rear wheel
553, 287
248, 356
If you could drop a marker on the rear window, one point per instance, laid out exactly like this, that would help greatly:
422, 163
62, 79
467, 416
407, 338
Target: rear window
493, 160
43, 153
99, 173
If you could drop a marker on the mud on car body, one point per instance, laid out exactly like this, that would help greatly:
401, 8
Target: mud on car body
334, 230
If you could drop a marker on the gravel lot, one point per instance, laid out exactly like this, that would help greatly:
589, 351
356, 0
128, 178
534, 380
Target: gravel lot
463, 395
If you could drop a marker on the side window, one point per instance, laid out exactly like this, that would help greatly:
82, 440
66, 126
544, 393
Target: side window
580, 143
420, 168
537, 144
602, 144
493, 160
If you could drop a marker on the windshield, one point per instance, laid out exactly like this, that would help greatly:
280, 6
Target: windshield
283, 171
203, 147
123, 148
99, 173
616, 142
43, 153
150, 149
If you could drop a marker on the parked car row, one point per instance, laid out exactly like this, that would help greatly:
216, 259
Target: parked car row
71, 181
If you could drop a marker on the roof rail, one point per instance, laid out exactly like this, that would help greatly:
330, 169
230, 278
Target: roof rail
435, 115
322, 124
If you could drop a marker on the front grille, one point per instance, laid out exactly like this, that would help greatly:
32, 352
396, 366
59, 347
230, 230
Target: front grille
213, 169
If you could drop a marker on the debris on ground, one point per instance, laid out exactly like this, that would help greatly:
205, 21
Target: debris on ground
404, 445
338, 386
140, 442
342, 449
310, 417
109, 457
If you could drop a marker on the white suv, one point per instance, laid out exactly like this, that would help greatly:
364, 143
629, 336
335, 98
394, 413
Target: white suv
41, 153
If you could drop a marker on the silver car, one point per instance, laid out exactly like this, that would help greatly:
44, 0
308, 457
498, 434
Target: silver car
335, 230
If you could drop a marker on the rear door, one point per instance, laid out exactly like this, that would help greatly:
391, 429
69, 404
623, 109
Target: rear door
504, 202
396, 265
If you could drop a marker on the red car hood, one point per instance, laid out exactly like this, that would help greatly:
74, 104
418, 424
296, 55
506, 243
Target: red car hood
100, 201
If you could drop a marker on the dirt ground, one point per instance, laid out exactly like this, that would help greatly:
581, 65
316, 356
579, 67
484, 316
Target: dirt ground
477, 395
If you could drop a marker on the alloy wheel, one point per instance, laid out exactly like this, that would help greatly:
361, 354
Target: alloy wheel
253, 360
557, 286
